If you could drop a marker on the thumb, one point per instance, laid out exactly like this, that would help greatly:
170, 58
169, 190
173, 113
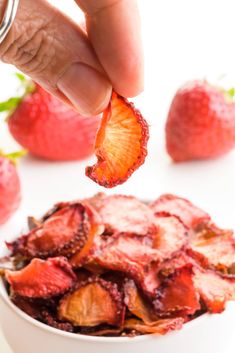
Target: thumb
56, 53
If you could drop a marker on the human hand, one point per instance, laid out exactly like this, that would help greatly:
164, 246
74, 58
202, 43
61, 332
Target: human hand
80, 68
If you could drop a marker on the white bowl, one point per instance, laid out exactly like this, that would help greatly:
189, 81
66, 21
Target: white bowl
208, 333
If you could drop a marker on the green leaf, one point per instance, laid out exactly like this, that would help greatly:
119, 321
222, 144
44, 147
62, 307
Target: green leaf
21, 77
14, 156
10, 104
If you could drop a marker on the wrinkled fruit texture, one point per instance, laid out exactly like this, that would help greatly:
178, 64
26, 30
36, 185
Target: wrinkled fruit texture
201, 123
10, 190
115, 266
50, 129
121, 143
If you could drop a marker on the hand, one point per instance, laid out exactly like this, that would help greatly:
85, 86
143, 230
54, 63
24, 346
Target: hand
80, 68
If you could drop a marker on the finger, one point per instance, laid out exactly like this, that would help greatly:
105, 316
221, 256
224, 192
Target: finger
57, 54
113, 27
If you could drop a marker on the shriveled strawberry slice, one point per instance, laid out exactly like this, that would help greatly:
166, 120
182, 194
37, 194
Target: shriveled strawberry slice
127, 214
177, 294
95, 302
42, 279
160, 327
189, 214
214, 290
137, 305
170, 237
130, 254
69, 230
121, 143
214, 248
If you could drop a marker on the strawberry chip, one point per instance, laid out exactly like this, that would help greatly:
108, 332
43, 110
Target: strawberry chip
177, 294
121, 143
95, 302
214, 248
42, 279
189, 214
125, 214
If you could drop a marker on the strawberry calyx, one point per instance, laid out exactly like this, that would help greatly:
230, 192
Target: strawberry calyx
229, 95
13, 156
26, 87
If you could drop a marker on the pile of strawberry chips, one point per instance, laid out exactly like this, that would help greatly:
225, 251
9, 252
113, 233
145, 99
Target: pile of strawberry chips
116, 266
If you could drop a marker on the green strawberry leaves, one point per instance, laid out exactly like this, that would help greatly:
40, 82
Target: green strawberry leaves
26, 87
13, 156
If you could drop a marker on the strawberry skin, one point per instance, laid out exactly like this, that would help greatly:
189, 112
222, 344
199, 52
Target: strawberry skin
49, 129
10, 193
201, 123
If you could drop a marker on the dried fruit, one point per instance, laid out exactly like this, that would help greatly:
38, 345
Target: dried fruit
160, 327
177, 295
125, 214
214, 290
121, 143
42, 279
214, 248
171, 236
172, 205
95, 302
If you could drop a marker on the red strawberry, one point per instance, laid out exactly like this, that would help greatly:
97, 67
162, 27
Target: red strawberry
121, 143
201, 122
10, 193
48, 128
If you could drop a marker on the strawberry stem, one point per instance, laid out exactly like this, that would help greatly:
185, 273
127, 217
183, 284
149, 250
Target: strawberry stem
26, 87
13, 156
230, 94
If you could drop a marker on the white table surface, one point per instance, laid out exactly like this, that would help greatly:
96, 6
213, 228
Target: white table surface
177, 48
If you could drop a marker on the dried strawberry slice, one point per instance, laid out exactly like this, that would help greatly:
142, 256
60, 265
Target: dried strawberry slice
137, 305
214, 248
214, 290
130, 254
122, 213
121, 143
94, 302
160, 327
171, 236
177, 294
190, 215
42, 279
70, 229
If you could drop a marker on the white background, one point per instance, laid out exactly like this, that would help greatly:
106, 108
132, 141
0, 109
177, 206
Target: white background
183, 39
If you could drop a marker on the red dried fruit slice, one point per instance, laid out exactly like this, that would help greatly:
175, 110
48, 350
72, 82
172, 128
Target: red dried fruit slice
130, 254
52, 321
214, 248
214, 290
177, 294
42, 279
126, 214
121, 143
95, 228
171, 236
160, 327
190, 215
58, 233
30, 308
137, 305
95, 302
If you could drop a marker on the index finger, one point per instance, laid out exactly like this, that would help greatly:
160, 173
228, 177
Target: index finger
113, 28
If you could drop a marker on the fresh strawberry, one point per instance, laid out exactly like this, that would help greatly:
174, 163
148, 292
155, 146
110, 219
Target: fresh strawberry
48, 128
10, 192
121, 143
201, 122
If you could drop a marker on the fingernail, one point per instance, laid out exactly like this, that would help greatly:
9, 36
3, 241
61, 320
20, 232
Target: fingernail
87, 89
